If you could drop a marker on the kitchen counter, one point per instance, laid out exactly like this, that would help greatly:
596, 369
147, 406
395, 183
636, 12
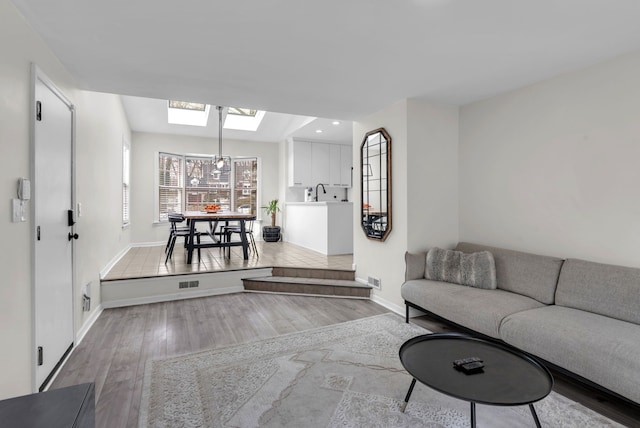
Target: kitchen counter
318, 203
325, 226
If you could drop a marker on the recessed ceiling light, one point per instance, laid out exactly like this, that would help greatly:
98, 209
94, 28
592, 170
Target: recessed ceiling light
335, 122
319, 131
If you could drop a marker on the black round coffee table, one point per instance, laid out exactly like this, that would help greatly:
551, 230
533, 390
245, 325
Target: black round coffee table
509, 377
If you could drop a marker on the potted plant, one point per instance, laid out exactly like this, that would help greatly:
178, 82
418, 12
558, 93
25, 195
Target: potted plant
271, 234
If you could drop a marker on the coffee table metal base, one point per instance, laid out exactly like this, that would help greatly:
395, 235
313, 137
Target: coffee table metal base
473, 407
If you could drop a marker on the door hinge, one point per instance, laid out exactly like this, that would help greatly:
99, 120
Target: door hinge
38, 111
40, 357
38, 233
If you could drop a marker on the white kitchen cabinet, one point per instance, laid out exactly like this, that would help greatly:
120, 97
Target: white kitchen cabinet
335, 166
311, 163
320, 155
340, 165
346, 164
300, 163
325, 227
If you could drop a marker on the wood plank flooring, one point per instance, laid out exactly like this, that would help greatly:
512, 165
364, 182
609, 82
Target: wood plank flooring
115, 350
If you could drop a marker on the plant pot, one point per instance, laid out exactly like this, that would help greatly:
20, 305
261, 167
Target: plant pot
271, 234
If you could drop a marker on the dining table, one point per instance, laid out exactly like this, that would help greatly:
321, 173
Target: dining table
215, 218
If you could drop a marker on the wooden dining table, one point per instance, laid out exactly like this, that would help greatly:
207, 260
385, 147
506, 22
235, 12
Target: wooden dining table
193, 217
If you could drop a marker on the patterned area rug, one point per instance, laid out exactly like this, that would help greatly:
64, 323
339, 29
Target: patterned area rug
345, 375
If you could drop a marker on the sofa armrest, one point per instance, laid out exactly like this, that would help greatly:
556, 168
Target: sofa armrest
415, 265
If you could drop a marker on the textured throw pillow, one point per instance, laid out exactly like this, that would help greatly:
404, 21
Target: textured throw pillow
475, 269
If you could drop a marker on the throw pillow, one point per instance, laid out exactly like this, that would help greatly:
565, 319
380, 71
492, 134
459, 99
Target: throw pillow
474, 269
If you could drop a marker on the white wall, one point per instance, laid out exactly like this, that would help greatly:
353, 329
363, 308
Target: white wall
98, 167
554, 168
432, 176
383, 260
144, 149
424, 190
101, 127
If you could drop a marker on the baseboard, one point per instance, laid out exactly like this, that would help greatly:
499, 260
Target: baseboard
105, 270
79, 336
88, 324
148, 244
389, 305
173, 296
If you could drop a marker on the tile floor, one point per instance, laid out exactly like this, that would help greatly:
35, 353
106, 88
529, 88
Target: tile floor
145, 262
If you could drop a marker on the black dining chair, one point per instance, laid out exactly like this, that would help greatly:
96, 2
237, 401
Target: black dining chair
176, 231
248, 230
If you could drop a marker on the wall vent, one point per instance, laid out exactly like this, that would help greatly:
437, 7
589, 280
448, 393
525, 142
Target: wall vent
183, 284
374, 282
193, 284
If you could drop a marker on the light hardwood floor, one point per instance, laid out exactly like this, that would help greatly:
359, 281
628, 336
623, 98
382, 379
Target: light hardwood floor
115, 350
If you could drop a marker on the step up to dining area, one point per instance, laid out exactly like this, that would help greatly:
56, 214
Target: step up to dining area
309, 281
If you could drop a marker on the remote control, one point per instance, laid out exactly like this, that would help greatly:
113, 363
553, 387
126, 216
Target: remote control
463, 361
473, 367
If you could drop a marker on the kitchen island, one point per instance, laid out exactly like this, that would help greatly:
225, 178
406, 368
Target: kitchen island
325, 227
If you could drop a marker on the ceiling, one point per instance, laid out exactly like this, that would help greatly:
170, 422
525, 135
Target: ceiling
150, 115
331, 58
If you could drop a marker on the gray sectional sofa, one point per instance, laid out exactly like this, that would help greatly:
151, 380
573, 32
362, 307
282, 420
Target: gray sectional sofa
580, 316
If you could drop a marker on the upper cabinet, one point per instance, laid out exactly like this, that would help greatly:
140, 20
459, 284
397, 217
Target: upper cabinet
320, 164
300, 163
311, 163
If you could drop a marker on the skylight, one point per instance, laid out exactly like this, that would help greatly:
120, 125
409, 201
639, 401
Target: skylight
187, 113
243, 119
186, 105
242, 111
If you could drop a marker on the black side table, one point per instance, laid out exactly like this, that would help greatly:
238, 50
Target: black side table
509, 377
73, 406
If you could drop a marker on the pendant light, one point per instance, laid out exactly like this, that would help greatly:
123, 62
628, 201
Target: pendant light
218, 161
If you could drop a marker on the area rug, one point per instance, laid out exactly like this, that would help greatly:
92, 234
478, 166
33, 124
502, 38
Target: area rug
344, 375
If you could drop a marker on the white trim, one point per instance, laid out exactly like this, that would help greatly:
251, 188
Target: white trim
87, 325
105, 270
389, 305
79, 336
173, 296
147, 244
38, 75
362, 281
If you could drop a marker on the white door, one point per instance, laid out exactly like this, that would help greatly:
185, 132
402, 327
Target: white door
52, 199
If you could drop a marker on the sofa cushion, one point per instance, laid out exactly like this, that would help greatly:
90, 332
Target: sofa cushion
474, 308
475, 269
414, 263
601, 349
528, 274
604, 289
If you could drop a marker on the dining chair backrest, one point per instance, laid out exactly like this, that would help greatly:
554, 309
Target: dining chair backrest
174, 219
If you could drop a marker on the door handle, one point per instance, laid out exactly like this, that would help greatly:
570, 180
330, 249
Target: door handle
70, 220
73, 236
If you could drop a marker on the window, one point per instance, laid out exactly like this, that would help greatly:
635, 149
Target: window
126, 180
170, 184
206, 185
234, 187
245, 190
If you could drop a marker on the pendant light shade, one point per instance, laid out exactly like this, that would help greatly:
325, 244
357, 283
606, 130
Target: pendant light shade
218, 161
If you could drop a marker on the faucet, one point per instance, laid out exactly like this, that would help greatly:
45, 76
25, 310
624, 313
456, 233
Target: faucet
323, 190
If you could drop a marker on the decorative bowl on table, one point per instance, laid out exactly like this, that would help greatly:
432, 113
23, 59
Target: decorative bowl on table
211, 209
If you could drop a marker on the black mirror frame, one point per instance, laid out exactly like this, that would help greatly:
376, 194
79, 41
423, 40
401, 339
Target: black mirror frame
364, 214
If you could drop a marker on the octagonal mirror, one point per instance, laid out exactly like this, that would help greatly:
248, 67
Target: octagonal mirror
375, 184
